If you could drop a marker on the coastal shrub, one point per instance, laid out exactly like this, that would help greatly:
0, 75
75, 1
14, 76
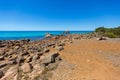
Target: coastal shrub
109, 32
100, 29
110, 35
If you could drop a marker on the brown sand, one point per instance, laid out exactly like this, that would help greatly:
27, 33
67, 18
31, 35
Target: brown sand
93, 60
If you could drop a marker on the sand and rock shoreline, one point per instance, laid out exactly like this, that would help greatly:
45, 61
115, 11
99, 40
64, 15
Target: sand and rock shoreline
43, 59
28, 60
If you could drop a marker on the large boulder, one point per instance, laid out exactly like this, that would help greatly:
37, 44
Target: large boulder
51, 58
26, 67
48, 35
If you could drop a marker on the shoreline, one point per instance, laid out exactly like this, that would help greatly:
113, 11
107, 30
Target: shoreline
33, 35
25, 59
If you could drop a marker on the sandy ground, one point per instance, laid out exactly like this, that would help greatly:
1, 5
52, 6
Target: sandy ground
91, 60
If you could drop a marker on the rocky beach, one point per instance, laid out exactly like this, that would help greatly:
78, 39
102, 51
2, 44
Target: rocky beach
70, 57
59, 39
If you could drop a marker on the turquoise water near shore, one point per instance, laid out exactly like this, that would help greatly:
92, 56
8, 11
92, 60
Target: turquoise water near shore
33, 35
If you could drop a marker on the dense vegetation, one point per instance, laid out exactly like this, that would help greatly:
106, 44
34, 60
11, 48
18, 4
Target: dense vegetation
109, 32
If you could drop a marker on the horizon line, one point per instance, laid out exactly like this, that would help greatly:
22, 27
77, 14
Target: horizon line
46, 30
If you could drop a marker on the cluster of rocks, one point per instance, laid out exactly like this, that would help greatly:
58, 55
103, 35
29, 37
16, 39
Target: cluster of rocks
93, 35
30, 60
6, 43
84, 36
48, 35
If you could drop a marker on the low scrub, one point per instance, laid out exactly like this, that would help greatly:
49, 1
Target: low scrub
110, 35
109, 32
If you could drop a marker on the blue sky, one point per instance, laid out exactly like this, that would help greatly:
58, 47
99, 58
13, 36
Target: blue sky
58, 14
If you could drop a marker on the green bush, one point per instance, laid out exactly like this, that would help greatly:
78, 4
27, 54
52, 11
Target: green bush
100, 29
110, 35
109, 32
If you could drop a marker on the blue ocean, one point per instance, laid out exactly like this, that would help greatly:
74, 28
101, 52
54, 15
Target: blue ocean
33, 35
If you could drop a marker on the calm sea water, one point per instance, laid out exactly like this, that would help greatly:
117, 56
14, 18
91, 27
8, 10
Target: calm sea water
33, 35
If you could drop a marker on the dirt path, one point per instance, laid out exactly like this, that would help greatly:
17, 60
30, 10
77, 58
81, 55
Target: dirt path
93, 60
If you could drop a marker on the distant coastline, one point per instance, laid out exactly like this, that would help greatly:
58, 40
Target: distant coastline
33, 35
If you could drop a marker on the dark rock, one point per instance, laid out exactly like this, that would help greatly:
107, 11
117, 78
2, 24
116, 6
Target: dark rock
58, 58
1, 57
3, 65
25, 53
1, 74
103, 38
39, 53
3, 45
0, 41
25, 41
